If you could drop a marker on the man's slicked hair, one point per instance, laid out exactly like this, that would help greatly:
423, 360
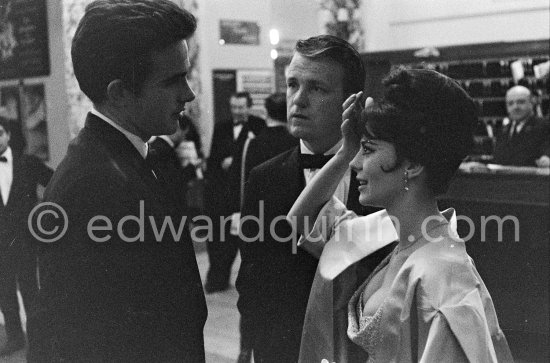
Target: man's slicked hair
116, 38
339, 51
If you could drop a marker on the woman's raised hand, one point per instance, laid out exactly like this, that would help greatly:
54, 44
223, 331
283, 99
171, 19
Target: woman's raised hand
352, 125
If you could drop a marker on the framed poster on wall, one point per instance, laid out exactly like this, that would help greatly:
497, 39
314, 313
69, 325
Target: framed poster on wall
24, 50
24, 107
260, 83
239, 32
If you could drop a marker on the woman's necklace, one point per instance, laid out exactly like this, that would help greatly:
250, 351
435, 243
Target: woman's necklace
412, 239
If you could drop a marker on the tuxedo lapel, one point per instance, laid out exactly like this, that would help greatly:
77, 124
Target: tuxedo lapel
292, 176
122, 152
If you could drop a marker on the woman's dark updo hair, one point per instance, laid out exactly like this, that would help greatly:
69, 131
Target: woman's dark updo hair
429, 118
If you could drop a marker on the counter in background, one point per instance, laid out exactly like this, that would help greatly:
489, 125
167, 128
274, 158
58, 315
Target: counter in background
507, 233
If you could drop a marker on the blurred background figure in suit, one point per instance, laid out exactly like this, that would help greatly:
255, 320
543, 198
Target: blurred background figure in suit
180, 164
20, 176
525, 139
275, 138
272, 141
223, 184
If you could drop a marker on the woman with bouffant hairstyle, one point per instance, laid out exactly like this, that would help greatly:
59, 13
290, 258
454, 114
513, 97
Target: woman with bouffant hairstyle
425, 301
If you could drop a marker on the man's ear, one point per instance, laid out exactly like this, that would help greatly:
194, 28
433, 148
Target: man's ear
413, 169
117, 94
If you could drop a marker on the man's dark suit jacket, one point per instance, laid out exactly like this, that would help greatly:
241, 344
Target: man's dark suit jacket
115, 301
17, 246
164, 156
28, 173
524, 148
270, 142
274, 283
222, 191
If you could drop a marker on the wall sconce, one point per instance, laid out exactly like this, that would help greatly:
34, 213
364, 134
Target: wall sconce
274, 36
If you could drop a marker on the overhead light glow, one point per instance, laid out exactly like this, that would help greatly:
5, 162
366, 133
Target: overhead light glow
221, 42
274, 36
274, 54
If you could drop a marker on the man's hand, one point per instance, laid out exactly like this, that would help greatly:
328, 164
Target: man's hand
226, 163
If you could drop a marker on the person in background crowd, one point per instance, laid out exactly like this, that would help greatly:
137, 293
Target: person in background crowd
130, 293
273, 140
223, 183
275, 278
525, 140
163, 151
424, 302
19, 177
189, 150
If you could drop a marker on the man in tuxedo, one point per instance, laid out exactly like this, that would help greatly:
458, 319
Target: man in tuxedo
525, 140
223, 185
275, 276
120, 281
20, 176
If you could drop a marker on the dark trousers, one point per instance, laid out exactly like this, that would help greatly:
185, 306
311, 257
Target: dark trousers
17, 268
222, 251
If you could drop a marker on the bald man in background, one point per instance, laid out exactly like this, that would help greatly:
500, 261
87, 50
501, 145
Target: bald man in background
525, 140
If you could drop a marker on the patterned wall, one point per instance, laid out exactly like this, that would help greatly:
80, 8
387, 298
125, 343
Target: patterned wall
342, 18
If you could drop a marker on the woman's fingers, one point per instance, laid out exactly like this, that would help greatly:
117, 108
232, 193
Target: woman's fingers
350, 100
368, 102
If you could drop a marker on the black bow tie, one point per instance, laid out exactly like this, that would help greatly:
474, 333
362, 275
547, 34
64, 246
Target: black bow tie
315, 161
3, 159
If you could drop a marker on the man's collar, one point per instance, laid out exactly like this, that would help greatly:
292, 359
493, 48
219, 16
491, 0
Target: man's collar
305, 150
139, 144
8, 155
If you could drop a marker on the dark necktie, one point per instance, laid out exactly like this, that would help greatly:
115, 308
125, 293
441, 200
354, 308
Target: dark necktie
513, 129
3, 159
315, 161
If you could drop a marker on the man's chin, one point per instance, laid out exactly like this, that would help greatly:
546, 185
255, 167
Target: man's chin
299, 133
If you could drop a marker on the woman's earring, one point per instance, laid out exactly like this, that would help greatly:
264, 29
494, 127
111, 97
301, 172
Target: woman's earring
406, 178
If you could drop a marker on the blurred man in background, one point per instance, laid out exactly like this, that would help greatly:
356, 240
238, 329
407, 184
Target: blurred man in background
223, 184
525, 140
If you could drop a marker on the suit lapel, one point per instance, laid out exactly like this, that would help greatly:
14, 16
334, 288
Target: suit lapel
121, 150
292, 176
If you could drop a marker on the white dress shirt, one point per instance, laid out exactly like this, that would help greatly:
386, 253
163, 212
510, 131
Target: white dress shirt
6, 175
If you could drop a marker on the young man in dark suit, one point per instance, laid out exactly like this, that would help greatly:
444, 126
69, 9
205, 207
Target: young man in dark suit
223, 184
275, 276
20, 176
525, 140
115, 285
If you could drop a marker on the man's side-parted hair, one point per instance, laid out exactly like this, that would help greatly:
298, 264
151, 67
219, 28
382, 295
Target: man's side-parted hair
275, 104
115, 40
339, 51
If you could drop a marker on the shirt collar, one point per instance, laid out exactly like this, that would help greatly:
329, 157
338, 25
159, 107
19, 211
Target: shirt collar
305, 150
8, 155
140, 145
